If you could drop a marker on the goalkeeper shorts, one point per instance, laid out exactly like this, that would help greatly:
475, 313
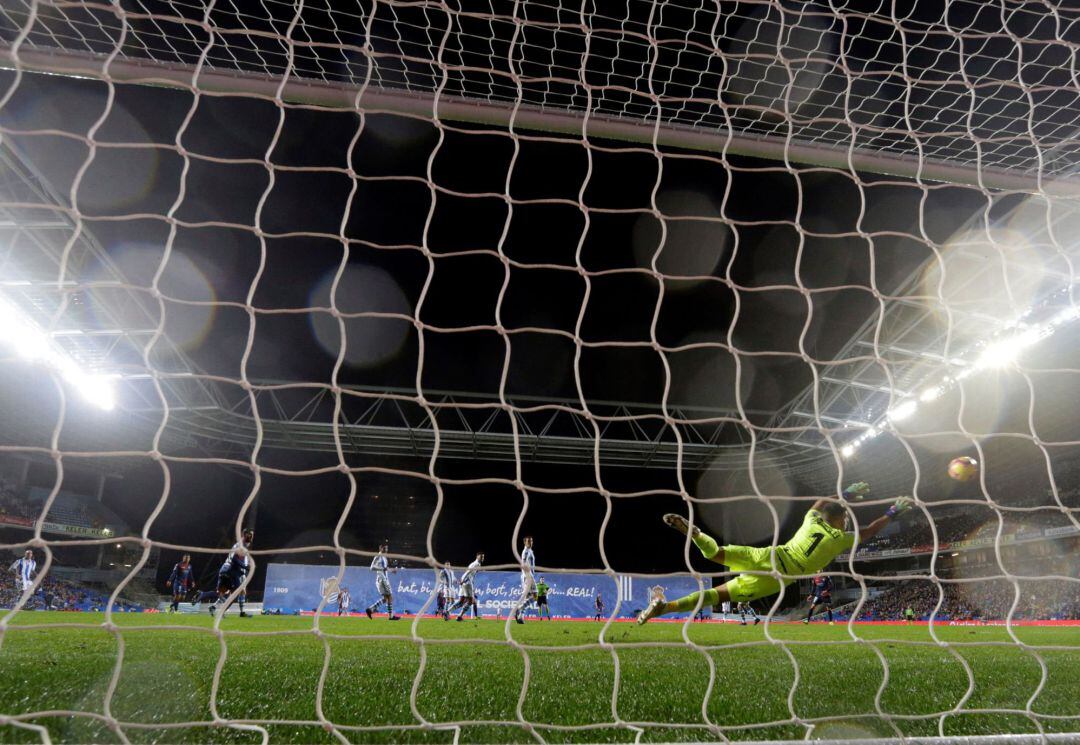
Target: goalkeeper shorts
747, 587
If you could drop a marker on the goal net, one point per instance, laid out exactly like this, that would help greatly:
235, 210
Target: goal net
454, 301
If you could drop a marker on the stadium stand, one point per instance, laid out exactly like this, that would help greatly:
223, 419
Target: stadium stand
988, 600
61, 594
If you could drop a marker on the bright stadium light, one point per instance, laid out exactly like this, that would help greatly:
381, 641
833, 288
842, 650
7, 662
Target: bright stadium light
97, 389
931, 394
1066, 315
32, 343
847, 451
1004, 352
998, 354
902, 411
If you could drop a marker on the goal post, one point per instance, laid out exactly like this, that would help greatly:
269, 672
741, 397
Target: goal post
785, 67
528, 117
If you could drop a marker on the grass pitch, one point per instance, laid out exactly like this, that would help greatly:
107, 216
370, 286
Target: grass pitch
472, 680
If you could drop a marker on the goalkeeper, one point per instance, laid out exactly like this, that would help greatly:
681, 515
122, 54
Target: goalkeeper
818, 541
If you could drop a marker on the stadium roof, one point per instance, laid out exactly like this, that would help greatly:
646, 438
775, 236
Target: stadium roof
962, 114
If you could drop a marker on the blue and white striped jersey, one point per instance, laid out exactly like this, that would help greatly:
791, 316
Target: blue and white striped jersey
446, 579
470, 574
24, 568
528, 561
379, 565
238, 559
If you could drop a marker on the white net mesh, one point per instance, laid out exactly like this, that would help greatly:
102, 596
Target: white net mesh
397, 271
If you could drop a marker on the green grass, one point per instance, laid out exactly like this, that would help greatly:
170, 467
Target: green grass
167, 672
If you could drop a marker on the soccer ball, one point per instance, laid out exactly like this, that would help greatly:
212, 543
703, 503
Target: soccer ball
963, 468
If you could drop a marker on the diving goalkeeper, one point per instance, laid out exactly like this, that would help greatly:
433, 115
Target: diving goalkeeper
821, 538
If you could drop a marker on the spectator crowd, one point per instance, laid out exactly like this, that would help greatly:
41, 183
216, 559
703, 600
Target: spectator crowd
975, 521
11, 505
58, 594
978, 599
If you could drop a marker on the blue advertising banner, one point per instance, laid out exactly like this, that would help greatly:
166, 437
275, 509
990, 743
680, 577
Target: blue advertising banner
297, 588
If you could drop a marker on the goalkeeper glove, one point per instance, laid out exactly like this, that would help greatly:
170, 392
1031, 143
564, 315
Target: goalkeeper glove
857, 490
899, 507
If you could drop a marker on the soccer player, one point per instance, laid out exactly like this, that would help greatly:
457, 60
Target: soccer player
24, 569
542, 607
181, 581
467, 594
444, 588
747, 609
528, 581
599, 602
909, 614
817, 542
233, 572
381, 567
343, 601
821, 594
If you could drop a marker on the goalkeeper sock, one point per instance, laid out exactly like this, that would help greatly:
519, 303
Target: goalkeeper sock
707, 545
690, 602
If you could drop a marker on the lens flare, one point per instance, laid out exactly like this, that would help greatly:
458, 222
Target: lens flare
746, 520
181, 280
695, 238
368, 340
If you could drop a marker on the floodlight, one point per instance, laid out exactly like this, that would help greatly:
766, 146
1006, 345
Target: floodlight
32, 343
1004, 352
902, 411
1065, 315
931, 394
97, 389
847, 451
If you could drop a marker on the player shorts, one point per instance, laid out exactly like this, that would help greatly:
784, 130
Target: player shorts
541, 600
230, 578
467, 590
528, 585
821, 600
747, 587
382, 584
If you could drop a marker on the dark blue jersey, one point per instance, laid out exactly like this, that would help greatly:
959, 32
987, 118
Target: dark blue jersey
822, 586
182, 577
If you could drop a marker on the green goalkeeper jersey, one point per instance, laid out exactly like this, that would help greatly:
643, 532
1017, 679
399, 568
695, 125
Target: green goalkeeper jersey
816, 544
542, 589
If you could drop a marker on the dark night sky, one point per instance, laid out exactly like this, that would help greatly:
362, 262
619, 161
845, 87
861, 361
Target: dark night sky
386, 220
